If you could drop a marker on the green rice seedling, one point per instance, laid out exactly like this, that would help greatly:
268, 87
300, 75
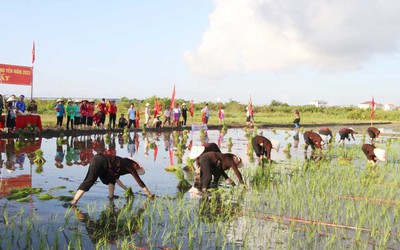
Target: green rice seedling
16, 194
57, 188
224, 130
202, 135
45, 196
287, 148
39, 159
189, 165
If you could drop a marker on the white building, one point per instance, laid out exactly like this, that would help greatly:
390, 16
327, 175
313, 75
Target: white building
389, 106
318, 103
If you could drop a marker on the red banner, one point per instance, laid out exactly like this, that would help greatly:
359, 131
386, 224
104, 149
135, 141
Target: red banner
13, 74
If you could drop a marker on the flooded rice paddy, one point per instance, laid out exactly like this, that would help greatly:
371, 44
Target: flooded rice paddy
327, 199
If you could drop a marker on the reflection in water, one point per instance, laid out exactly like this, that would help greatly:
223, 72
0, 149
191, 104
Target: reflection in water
16, 151
113, 223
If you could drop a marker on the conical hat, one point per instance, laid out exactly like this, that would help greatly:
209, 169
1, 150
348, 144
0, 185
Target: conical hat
380, 154
240, 164
196, 152
139, 169
275, 144
11, 99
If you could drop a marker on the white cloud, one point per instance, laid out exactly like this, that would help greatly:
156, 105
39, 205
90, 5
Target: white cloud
259, 35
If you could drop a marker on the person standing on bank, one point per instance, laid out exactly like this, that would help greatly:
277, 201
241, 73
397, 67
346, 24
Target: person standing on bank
205, 114
70, 110
112, 111
373, 134
184, 113
132, 116
147, 115
21, 105
60, 112
296, 119
109, 169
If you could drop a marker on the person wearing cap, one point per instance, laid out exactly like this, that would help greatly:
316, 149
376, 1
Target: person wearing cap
21, 105
112, 111
373, 154
147, 114
214, 164
177, 114
109, 168
373, 134
184, 113
70, 111
32, 108
326, 132
345, 134
90, 113
312, 139
60, 112
262, 146
77, 118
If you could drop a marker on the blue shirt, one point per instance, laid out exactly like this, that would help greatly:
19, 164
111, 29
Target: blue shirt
132, 114
60, 110
21, 106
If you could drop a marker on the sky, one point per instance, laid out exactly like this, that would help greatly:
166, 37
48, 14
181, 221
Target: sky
293, 51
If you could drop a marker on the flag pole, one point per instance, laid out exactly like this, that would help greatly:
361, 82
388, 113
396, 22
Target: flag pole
33, 62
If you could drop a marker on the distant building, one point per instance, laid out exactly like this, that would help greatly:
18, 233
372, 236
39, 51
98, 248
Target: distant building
318, 103
389, 106
368, 105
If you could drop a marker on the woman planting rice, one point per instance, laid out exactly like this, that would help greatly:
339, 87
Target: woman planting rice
109, 169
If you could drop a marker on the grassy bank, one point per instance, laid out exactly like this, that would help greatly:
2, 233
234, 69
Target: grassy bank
235, 113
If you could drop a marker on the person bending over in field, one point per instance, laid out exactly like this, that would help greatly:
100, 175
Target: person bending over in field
312, 139
373, 154
109, 169
213, 164
345, 133
262, 146
373, 134
326, 132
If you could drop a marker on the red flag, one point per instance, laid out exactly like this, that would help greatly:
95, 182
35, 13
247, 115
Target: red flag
155, 108
372, 108
219, 110
33, 52
191, 108
172, 98
155, 152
